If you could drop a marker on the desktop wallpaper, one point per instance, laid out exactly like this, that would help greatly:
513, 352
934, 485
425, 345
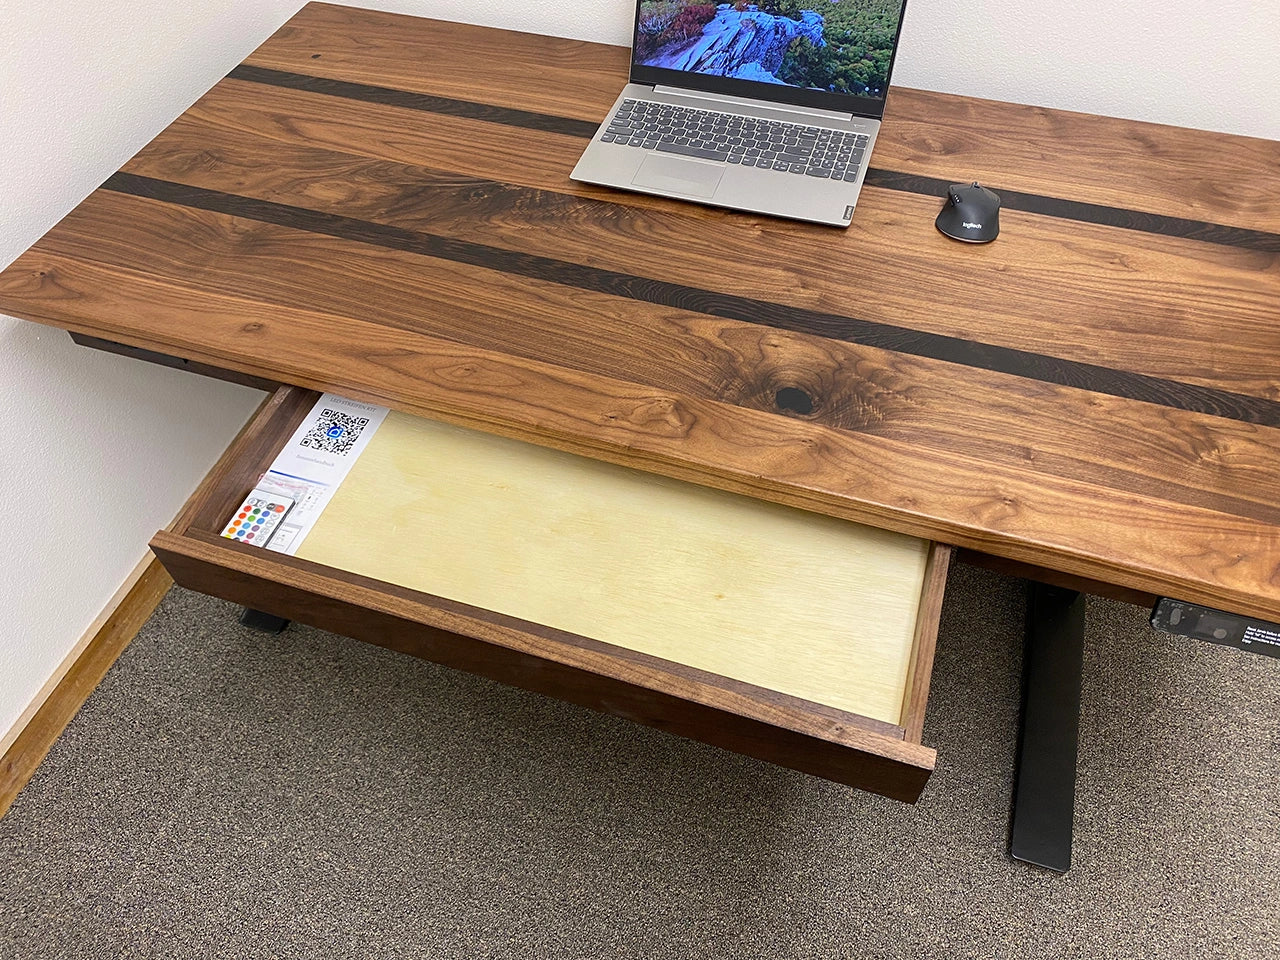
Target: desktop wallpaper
841, 46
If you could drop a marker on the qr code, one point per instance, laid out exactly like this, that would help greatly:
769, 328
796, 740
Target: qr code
334, 432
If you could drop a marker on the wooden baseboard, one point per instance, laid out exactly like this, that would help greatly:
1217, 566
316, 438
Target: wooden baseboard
25, 746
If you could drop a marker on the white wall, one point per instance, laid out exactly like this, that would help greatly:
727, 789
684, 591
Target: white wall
98, 451
1213, 66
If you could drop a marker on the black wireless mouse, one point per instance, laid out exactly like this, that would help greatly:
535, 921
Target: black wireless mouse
972, 213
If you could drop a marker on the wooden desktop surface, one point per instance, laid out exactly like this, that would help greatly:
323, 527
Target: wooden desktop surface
380, 206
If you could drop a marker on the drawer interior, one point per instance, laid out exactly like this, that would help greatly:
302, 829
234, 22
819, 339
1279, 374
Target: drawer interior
817, 608
798, 638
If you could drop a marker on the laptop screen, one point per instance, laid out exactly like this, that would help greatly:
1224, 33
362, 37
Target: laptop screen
834, 54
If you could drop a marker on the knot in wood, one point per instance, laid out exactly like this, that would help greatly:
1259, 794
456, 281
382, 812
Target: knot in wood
794, 400
809, 378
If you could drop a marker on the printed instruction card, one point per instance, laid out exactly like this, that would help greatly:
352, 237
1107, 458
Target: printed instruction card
315, 461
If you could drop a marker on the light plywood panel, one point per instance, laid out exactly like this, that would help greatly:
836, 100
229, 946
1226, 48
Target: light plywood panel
807, 605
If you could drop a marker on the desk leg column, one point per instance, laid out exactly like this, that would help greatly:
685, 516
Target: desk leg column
1045, 784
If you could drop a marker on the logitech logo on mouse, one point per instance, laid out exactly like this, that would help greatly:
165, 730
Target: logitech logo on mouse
971, 213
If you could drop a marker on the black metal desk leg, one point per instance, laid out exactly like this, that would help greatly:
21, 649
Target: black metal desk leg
265, 622
1044, 796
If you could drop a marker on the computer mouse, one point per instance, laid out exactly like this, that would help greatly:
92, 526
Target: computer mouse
972, 213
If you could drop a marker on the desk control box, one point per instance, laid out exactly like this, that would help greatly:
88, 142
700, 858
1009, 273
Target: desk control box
1216, 626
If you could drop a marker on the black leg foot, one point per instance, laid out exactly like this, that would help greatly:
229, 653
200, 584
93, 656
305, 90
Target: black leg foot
257, 620
1044, 798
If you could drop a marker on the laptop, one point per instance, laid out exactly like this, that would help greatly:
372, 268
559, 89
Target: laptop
770, 106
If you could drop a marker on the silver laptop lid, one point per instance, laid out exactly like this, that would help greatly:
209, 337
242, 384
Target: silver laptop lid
831, 54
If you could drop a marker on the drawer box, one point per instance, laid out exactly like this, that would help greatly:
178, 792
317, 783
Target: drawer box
792, 637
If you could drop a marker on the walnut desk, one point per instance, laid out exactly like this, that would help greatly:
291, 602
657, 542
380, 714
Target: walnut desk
379, 206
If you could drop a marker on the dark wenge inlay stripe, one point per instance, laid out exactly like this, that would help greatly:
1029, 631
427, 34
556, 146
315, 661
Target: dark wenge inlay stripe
885, 179
1020, 363
408, 100
1090, 213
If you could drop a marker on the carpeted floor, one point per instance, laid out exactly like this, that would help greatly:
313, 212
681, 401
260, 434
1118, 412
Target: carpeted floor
229, 794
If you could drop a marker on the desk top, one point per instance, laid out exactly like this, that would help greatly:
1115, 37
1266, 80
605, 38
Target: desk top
380, 206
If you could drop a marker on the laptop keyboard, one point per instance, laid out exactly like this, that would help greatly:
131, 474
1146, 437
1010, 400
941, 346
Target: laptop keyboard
763, 144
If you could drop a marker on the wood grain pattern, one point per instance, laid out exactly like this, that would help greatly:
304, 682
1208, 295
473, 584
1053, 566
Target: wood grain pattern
1164, 224
735, 716
1144, 167
245, 459
952, 496
1140, 166
1172, 456
516, 269
920, 672
23, 749
408, 100
1174, 224
574, 78
1095, 399
817, 608
1180, 321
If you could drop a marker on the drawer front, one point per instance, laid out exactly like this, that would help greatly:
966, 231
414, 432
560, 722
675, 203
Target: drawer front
752, 718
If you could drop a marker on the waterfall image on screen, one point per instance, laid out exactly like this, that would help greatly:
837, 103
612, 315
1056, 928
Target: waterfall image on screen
841, 46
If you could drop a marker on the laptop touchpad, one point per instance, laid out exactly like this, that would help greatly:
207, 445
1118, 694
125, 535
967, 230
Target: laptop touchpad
677, 175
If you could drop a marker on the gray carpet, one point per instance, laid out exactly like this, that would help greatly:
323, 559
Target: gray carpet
226, 794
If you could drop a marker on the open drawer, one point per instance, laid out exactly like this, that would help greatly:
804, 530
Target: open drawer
788, 636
